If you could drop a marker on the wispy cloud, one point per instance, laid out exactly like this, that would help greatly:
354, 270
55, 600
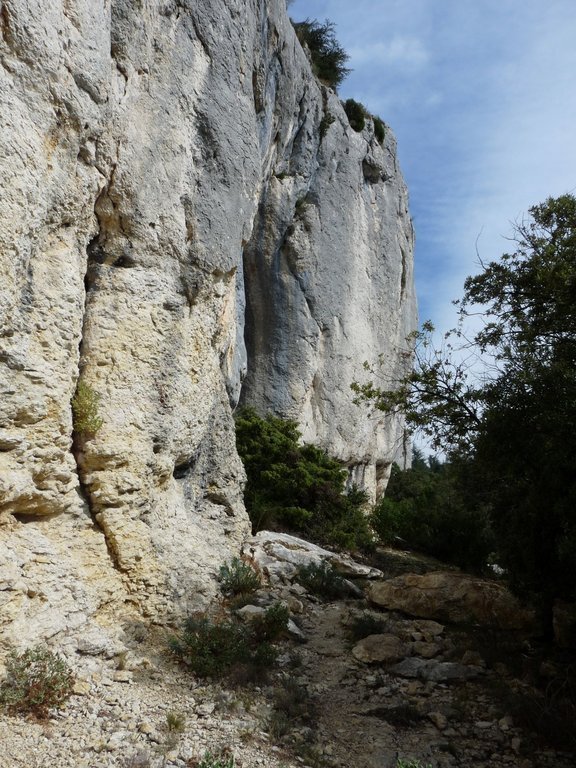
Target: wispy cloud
399, 50
481, 97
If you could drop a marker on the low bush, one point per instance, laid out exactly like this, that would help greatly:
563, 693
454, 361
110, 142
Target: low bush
356, 114
366, 624
221, 758
293, 707
36, 681
323, 581
271, 625
220, 648
239, 578
175, 722
411, 764
325, 123
211, 648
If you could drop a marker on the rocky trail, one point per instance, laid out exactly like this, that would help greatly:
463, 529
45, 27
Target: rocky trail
414, 689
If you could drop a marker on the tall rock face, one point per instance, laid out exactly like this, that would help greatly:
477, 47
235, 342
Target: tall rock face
169, 176
329, 285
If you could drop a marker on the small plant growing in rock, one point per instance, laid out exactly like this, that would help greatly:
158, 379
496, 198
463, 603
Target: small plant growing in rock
293, 708
325, 123
239, 578
356, 114
323, 581
36, 681
140, 759
222, 758
85, 403
379, 129
175, 722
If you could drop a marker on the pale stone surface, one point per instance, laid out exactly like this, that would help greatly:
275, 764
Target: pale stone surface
330, 286
454, 597
279, 555
151, 158
380, 649
435, 671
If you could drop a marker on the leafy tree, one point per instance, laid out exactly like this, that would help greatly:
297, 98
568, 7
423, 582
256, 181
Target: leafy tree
296, 486
507, 402
328, 57
431, 510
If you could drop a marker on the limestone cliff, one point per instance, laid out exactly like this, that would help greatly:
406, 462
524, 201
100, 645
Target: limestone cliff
164, 175
329, 285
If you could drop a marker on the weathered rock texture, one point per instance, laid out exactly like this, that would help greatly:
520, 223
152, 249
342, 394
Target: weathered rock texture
162, 164
329, 285
453, 597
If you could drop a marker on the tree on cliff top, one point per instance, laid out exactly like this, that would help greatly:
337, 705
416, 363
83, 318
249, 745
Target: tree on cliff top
516, 420
328, 57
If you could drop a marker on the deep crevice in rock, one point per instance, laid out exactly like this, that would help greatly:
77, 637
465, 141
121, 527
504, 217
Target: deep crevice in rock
95, 255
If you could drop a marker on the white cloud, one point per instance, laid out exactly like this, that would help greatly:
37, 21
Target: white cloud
481, 97
400, 50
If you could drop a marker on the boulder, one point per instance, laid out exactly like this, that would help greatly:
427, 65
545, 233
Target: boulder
453, 597
435, 671
279, 555
379, 649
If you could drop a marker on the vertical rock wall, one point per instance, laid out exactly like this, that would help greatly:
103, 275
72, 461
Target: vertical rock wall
330, 285
162, 169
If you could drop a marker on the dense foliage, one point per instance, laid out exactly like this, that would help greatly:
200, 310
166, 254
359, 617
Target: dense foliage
506, 403
216, 648
36, 681
328, 57
297, 487
356, 114
430, 508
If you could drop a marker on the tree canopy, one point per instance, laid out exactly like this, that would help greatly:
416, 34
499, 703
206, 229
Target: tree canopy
505, 399
297, 486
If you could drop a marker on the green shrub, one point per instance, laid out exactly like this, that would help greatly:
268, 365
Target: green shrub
323, 581
211, 648
36, 681
379, 129
356, 114
175, 722
328, 56
272, 624
301, 203
430, 511
297, 487
219, 648
219, 759
366, 624
293, 707
85, 403
325, 123
239, 578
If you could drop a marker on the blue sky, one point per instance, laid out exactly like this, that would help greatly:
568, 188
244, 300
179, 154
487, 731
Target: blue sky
481, 95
